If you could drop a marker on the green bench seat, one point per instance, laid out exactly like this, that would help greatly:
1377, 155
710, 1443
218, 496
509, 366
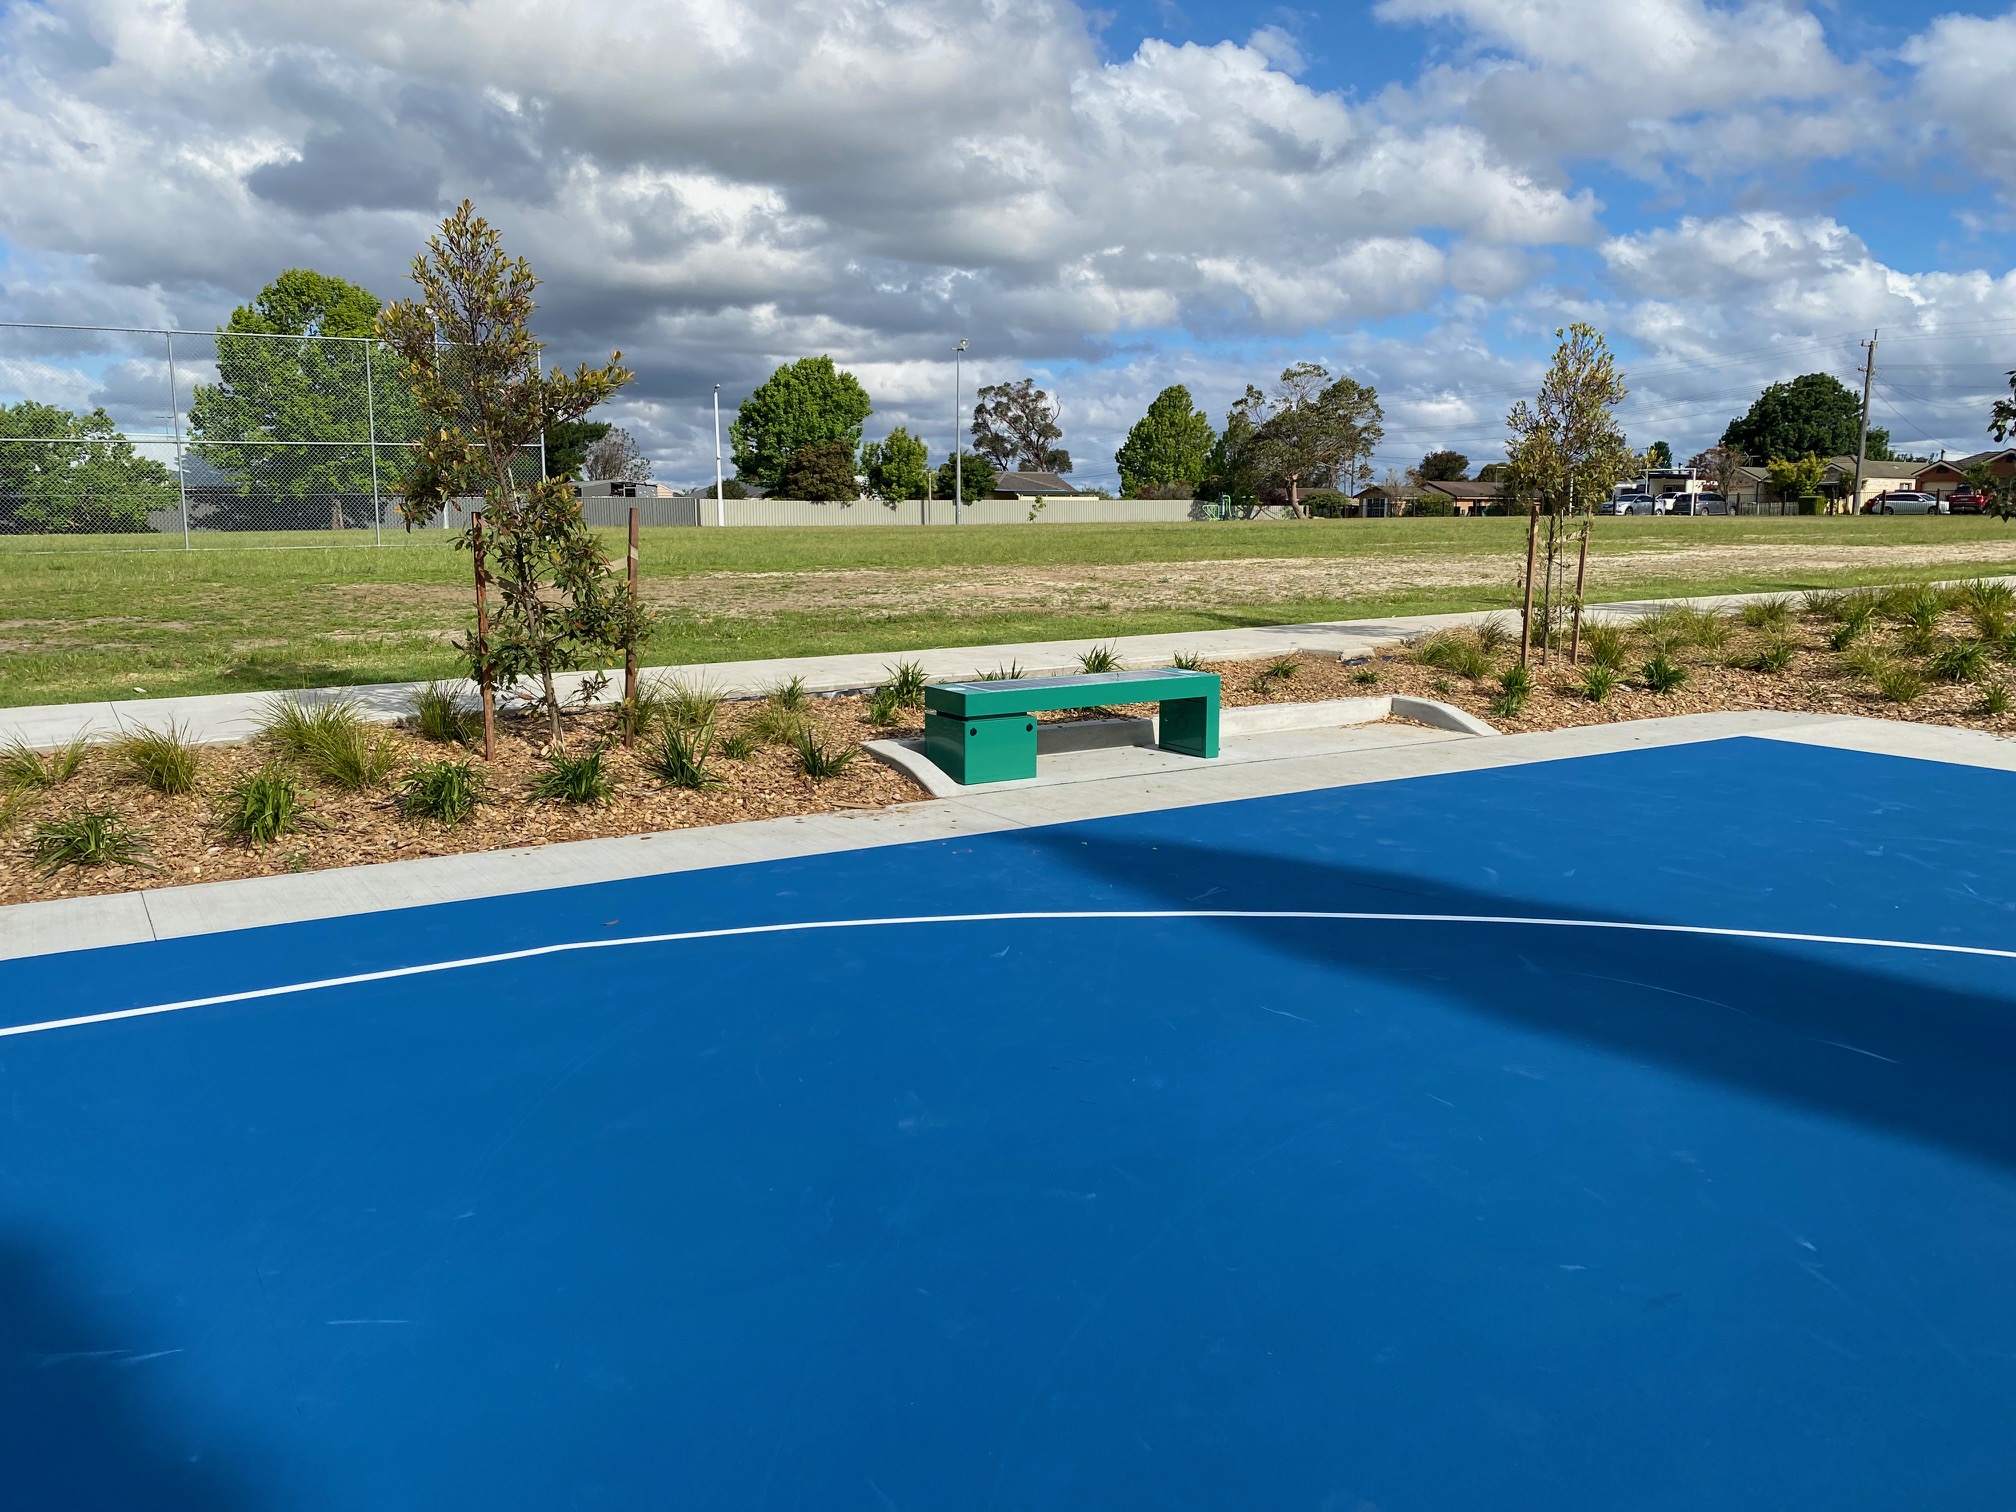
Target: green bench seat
986, 731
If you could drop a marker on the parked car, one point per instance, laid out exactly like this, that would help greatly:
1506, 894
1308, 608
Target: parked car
1966, 501
1635, 504
1905, 501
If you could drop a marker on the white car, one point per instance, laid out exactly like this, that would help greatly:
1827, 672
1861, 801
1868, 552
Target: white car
1905, 502
1643, 504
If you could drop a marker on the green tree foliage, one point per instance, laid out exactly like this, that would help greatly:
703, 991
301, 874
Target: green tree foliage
1568, 440
1170, 445
1798, 478
474, 366
1015, 426
63, 473
1815, 413
801, 404
567, 443
976, 477
897, 467
2002, 419
1443, 467
1659, 454
1493, 472
281, 397
1316, 430
822, 473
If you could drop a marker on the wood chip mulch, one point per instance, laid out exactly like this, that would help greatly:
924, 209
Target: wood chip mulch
356, 828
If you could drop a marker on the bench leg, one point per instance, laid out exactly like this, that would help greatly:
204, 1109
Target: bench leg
1190, 726
995, 748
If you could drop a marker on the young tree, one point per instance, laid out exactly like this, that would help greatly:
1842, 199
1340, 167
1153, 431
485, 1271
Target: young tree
801, 404
63, 473
474, 369
1015, 426
2002, 418
1797, 478
976, 478
567, 443
1815, 413
272, 420
614, 457
1171, 444
1443, 467
897, 467
822, 473
1565, 450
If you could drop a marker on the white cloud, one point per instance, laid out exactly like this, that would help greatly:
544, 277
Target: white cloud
1965, 64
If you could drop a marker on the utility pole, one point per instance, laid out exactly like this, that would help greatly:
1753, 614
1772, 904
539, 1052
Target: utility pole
1862, 442
720, 498
958, 462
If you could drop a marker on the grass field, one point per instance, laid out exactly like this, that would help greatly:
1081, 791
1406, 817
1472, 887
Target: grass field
77, 625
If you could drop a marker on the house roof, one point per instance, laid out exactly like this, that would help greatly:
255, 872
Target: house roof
1874, 469
1031, 484
1464, 488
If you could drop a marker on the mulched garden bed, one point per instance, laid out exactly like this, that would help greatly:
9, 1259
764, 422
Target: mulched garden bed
1943, 657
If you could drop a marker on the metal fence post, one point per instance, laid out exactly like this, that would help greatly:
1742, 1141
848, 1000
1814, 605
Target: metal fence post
175, 427
371, 433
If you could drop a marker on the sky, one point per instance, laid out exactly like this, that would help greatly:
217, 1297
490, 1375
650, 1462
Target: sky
1413, 192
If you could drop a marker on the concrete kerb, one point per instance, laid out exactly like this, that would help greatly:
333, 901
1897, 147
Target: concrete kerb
29, 929
226, 717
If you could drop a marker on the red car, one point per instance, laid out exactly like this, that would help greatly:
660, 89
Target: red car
1966, 501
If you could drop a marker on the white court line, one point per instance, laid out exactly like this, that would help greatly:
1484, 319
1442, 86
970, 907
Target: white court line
394, 973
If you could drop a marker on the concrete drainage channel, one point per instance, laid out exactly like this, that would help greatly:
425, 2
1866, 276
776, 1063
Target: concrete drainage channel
1241, 730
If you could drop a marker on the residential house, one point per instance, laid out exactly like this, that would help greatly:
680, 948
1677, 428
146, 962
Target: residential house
1031, 486
1465, 495
1950, 473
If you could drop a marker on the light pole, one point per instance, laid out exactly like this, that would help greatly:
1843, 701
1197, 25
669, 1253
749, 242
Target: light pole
958, 469
720, 497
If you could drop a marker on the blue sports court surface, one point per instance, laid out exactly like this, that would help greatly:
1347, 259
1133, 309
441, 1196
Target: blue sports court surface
1633, 1131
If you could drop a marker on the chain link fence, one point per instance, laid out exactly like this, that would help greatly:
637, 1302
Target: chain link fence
115, 438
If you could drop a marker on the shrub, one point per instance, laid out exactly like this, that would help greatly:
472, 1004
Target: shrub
1605, 642
1494, 633
1099, 659
22, 766
885, 706
1995, 699
1706, 628
1276, 671
908, 681
1918, 605
1327, 504
163, 760
13, 804
1863, 661
1773, 654
739, 745
1453, 653
1187, 661
693, 706
1662, 630
444, 791
818, 760
574, 779
1008, 673
1599, 682
1767, 613
1990, 605
1365, 678
262, 806
353, 756
787, 697
1822, 603
1899, 682
1918, 639
1847, 632
1958, 661
1515, 686
88, 839
439, 716
774, 726
1663, 675
679, 755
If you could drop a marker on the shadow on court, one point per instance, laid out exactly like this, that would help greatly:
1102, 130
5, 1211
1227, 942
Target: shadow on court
86, 1409
1936, 1062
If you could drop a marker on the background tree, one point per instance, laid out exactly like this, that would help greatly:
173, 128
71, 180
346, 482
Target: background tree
2002, 418
897, 467
1723, 466
1493, 472
1170, 445
267, 422
1798, 478
1443, 467
1232, 471
567, 443
1317, 429
822, 473
1015, 426
1815, 413
1566, 450
475, 369
2001, 425
803, 403
1659, 454
615, 457
63, 473
976, 477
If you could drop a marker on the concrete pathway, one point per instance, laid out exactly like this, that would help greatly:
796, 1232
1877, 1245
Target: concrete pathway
218, 718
